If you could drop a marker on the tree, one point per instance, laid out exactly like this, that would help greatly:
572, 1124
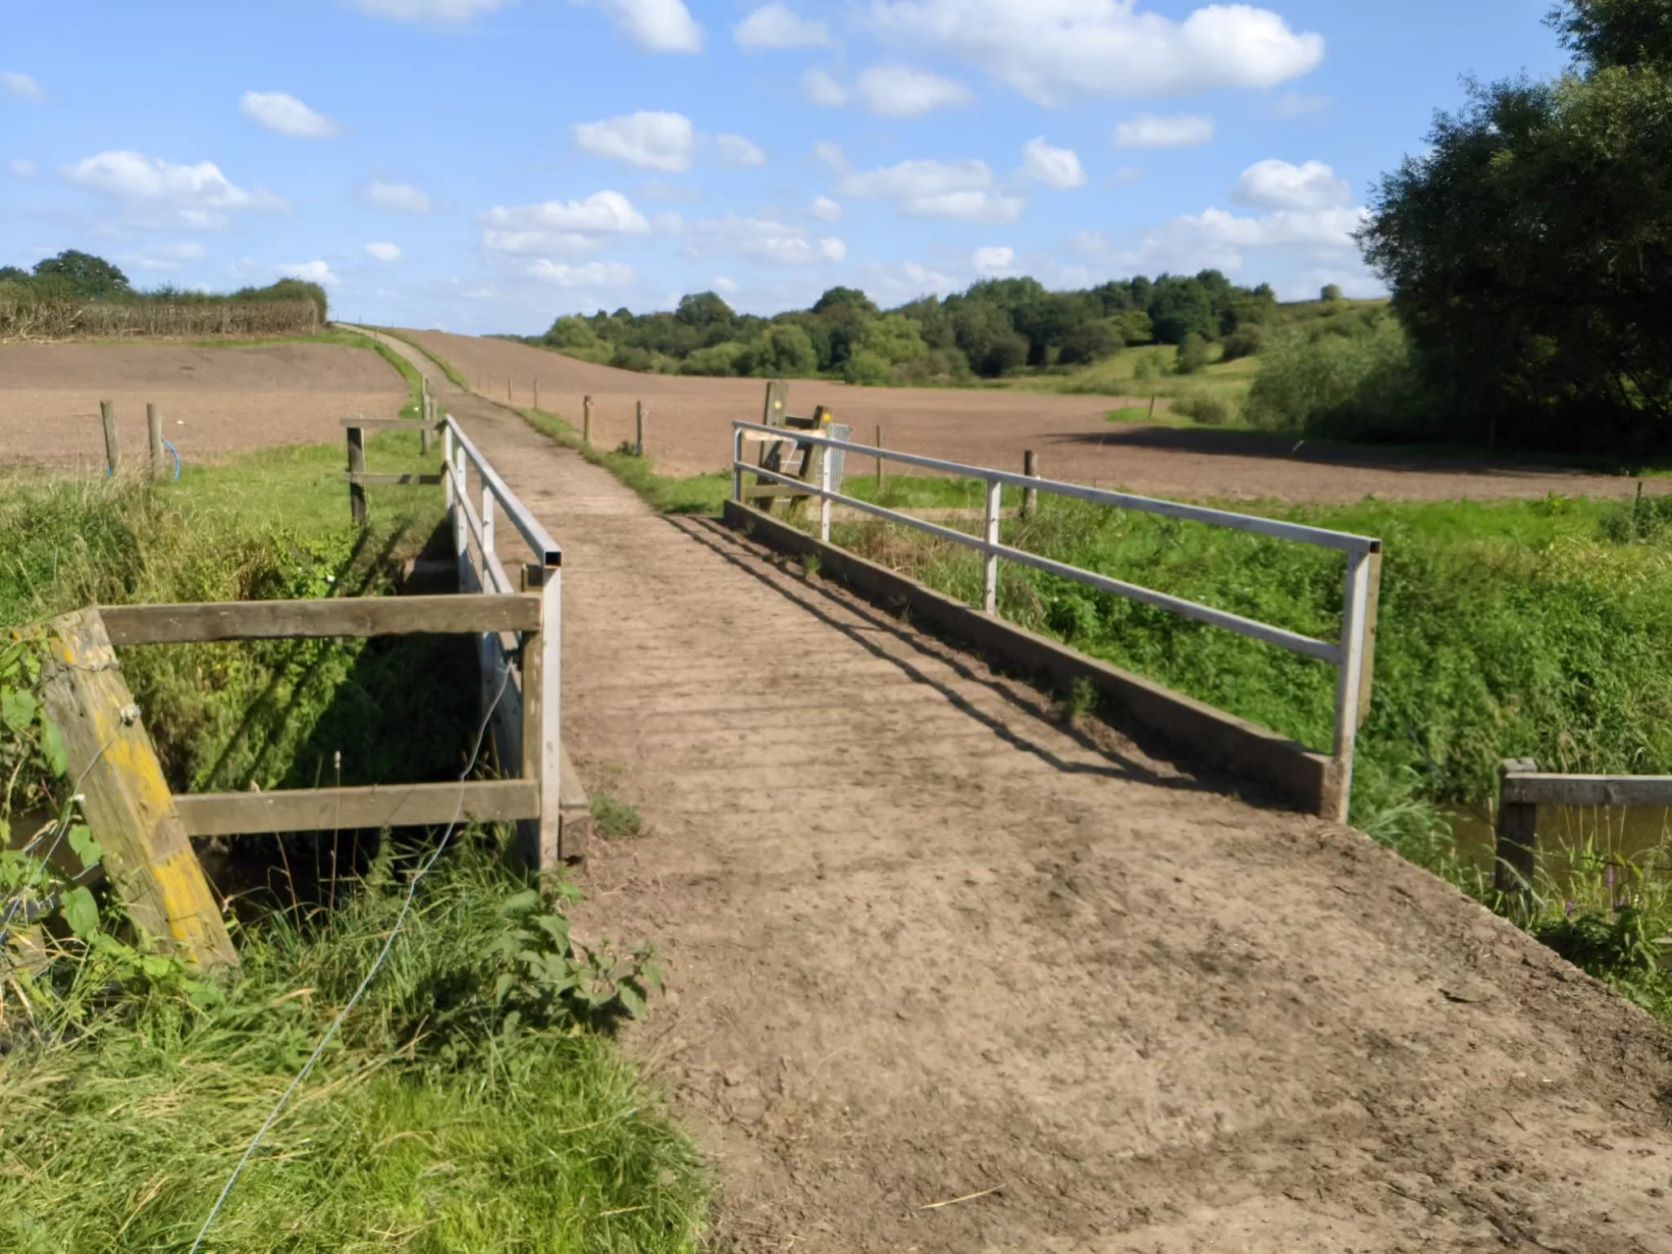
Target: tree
785, 349
1331, 293
1193, 354
987, 338
1180, 306
1530, 250
84, 274
844, 297
13, 274
709, 316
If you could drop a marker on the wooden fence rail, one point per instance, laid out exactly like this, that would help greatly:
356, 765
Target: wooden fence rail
1523, 788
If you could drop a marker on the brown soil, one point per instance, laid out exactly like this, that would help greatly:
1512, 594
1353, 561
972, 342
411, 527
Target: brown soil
928, 943
689, 431
214, 401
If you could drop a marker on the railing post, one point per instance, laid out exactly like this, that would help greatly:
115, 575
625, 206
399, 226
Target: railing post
990, 568
737, 463
1350, 677
461, 532
1030, 496
1515, 854
357, 465
824, 490
542, 731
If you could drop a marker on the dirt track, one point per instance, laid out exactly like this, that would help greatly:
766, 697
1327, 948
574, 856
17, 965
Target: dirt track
690, 432
214, 401
929, 944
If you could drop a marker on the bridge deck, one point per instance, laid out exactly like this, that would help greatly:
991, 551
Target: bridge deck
925, 941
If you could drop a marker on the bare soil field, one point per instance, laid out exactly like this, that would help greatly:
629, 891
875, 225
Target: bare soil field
689, 432
214, 401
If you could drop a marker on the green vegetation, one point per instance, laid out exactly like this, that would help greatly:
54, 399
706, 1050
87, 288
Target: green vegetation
446, 367
615, 819
698, 494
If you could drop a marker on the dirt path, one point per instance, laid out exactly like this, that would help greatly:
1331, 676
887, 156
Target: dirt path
690, 432
928, 944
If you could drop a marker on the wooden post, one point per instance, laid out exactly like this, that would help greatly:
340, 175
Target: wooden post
777, 403
536, 394
1515, 858
1372, 612
1152, 407
1030, 496
638, 436
113, 453
586, 420
426, 414
990, 568
879, 460
125, 798
357, 464
507, 391
1355, 603
154, 430
542, 730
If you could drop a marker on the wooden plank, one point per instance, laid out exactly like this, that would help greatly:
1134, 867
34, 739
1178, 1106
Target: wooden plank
1516, 856
375, 479
1532, 788
125, 797
356, 469
334, 809
339, 616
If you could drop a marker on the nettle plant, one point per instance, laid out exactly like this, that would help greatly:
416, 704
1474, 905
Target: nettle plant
545, 976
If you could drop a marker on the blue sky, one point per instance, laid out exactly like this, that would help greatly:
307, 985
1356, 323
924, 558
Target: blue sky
485, 165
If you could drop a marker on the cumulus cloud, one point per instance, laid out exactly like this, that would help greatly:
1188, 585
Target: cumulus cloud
1273, 184
896, 284
22, 169
995, 260
21, 86
562, 227
396, 197
826, 209
765, 241
168, 256
1052, 50
1149, 130
725, 284
384, 252
650, 140
308, 271
964, 191
1055, 167
779, 26
191, 195
594, 274
832, 155
429, 10
283, 114
823, 89
735, 150
655, 25
899, 91
1297, 104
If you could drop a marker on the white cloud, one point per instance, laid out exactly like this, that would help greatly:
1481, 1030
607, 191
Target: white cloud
962, 190
766, 241
22, 169
384, 252
429, 10
1053, 166
655, 25
653, 141
309, 271
724, 284
1273, 184
168, 256
832, 155
1149, 130
592, 274
1297, 104
735, 150
822, 89
826, 209
1331, 228
283, 114
563, 227
21, 86
890, 285
899, 91
397, 197
1051, 50
779, 26
191, 195
994, 260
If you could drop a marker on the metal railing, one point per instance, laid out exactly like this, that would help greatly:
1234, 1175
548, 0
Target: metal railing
1349, 654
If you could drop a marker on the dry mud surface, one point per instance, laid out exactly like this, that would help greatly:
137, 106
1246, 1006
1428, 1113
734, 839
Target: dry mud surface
214, 401
928, 944
690, 432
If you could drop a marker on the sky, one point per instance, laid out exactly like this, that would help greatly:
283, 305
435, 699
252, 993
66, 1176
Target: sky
488, 165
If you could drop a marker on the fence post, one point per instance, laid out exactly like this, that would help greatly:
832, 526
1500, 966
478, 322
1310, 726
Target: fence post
357, 465
879, 461
485, 641
737, 463
1372, 615
990, 568
426, 415
1030, 496
1350, 677
507, 391
447, 471
586, 420
824, 487
638, 437
461, 531
113, 452
777, 401
154, 431
542, 731
536, 394
1515, 854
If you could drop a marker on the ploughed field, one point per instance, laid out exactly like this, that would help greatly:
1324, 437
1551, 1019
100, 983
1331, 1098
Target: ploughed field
214, 401
689, 432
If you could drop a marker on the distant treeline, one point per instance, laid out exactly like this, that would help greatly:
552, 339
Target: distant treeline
996, 327
77, 294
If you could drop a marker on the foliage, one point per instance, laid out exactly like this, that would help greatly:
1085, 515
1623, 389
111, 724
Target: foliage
614, 818
1193, 354
82, 275
1351, 386
1213, 411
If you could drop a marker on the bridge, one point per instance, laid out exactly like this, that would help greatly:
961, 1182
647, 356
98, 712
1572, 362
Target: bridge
949, 973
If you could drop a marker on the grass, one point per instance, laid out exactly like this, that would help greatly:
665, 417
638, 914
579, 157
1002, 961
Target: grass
446, 367
615, 819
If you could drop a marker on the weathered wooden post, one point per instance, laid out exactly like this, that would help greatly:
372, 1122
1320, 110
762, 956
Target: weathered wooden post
879, 461
154, 430
542, 729
125, 798
1355, 607
356, 467
638, 436
990, 567
777, 403
507, 391
536, 394
1515, 857
586, 420
426, 415
1030, 496
113, 453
